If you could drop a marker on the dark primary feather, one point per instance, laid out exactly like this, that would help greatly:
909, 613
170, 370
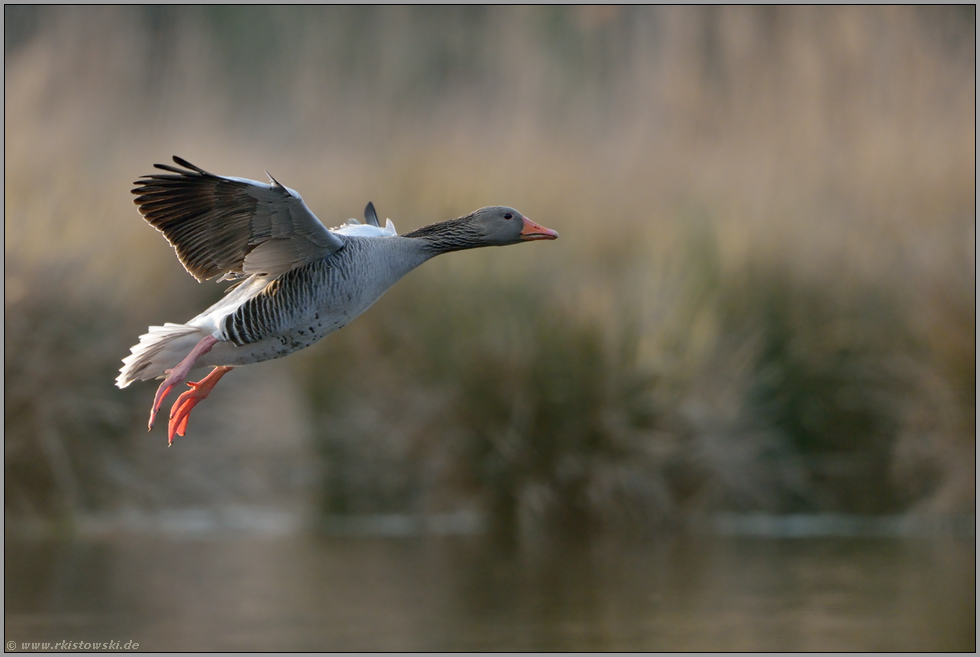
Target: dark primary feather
370, 216
231, 226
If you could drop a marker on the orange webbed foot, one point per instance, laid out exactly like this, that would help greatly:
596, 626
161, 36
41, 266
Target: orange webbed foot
176, 375
180, 413
162, 393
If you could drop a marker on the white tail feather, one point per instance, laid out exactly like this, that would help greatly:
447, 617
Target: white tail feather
158, 350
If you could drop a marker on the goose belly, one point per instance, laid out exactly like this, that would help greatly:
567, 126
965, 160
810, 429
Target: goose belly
300, 336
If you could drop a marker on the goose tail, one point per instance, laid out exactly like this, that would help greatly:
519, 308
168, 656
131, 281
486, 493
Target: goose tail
161, 348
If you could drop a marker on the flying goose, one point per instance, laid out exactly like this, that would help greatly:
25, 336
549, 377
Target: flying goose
295, 280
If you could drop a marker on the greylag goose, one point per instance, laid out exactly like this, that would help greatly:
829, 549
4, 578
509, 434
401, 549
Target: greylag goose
295, 280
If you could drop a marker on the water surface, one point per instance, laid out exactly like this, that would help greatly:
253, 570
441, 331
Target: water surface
459, 593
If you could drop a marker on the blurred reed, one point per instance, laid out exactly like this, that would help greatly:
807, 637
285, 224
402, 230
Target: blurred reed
64, 421
763, 296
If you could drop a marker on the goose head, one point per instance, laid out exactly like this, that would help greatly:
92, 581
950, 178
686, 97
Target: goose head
499, 225
496, 225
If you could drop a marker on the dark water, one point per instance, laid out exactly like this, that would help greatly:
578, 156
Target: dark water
456, 593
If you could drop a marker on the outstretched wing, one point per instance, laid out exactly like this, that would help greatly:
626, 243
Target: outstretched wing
231, 226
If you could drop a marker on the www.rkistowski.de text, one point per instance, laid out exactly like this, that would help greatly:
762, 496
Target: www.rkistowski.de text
72, 645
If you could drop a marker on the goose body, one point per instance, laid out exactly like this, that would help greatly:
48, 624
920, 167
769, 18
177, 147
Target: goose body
297, 281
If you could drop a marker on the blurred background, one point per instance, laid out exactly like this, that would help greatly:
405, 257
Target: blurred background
733, 407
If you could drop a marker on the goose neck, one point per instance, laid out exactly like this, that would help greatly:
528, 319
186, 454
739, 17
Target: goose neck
446, 236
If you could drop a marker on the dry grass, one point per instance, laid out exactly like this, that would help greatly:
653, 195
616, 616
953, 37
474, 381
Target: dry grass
770, 209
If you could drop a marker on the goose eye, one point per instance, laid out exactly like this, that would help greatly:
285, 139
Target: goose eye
508, 215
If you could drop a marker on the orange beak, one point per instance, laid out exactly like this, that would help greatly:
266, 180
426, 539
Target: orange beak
533, 231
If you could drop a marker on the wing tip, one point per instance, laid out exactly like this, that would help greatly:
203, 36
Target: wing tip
187, 165
188, 169
370, 215
275, 183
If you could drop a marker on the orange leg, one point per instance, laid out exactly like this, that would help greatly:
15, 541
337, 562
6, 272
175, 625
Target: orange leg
181, 411
179, 373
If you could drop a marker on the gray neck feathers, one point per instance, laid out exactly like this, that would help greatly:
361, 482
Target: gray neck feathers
446, 236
